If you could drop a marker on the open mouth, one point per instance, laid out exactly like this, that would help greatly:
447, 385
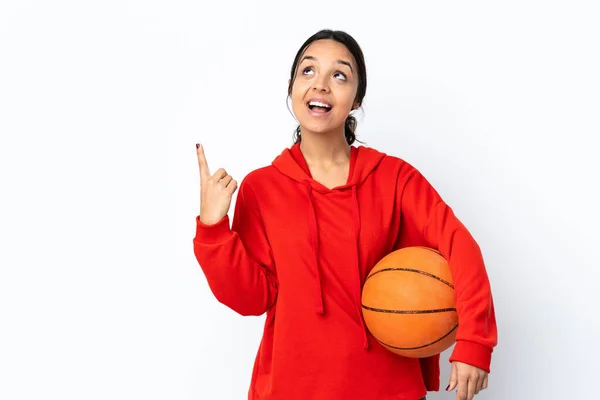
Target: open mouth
319, 107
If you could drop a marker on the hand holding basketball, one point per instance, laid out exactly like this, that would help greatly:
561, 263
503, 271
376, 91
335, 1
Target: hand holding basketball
216, 191
469, 379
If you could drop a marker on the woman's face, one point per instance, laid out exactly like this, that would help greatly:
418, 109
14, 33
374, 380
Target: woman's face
324, 88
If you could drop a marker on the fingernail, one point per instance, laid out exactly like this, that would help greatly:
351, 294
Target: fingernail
197, 145
447, 387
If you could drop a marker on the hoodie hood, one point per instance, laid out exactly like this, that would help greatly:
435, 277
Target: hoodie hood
363, 161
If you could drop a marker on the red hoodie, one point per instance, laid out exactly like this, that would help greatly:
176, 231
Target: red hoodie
301, 252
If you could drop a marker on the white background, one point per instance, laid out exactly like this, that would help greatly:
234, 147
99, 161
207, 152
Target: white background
101, 104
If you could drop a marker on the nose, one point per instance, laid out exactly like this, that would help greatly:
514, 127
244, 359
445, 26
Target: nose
321, 84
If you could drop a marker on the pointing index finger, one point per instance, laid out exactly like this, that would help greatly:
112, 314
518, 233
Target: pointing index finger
202, 164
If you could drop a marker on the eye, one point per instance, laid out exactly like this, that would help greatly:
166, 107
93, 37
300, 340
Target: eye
306, 70
341, 74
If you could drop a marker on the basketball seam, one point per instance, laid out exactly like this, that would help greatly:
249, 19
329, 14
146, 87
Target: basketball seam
419, 347
412, 270
433, 311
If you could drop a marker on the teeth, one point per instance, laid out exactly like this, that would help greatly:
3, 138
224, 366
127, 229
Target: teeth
319, 104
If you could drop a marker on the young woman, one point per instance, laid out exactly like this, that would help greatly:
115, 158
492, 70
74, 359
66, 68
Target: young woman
306, 231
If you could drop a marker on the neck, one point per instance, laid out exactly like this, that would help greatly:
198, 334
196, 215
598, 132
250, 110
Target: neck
324, 149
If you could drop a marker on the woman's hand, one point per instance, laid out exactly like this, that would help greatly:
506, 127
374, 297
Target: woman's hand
469, 379
216, 191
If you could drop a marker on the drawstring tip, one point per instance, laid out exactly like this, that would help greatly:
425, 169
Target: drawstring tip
320, 307
365, 336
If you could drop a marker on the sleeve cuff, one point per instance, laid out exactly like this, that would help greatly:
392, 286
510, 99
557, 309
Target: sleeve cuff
214, 233
473, 354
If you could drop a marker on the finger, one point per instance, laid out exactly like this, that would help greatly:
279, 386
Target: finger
202, 164
479, 386
220, 174
232, 186
484, 385
453, 378
226, 180
463, 387
471, 386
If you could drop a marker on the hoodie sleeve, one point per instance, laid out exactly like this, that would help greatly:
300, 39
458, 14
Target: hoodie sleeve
237, 261
426, 215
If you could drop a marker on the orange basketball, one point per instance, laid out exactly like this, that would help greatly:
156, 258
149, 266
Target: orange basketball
408, 302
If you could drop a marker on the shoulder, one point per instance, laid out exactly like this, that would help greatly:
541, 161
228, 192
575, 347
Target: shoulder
392, 164
258, 175
259, 179
252, 185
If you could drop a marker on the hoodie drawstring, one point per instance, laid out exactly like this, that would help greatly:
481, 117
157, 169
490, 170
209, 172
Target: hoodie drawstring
314, 239
356, 218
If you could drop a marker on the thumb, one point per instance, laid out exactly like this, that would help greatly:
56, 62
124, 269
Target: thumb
453, 381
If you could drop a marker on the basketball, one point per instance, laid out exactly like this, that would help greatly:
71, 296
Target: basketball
408, 302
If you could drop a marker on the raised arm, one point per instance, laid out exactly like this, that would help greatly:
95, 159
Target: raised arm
236, 261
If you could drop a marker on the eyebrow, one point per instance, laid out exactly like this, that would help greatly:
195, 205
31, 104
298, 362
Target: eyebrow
343, 62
